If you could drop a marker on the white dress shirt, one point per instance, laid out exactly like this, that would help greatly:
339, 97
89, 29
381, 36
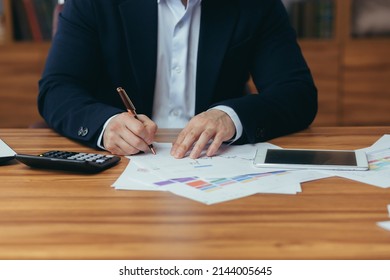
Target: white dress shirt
177, 53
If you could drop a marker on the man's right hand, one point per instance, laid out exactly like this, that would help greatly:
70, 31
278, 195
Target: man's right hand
126, 135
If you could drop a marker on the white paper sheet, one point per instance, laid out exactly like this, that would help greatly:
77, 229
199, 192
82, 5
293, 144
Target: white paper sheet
6, 152
231, 160
385, 225
135, 178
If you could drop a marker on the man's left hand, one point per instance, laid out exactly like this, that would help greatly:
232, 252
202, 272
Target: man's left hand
213, 125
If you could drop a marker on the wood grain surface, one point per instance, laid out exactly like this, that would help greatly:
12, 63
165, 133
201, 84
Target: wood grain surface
58, 215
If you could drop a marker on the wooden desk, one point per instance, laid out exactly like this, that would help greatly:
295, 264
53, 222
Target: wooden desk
54, 215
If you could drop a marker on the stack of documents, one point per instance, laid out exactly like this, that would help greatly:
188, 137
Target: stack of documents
226, 176
231, 174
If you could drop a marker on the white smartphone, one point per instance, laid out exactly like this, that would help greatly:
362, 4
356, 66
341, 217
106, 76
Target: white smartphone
311, 159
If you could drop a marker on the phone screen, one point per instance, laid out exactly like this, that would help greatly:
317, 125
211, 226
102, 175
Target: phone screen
284, 156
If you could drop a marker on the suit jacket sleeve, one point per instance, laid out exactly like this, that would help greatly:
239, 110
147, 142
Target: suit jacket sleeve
75, 97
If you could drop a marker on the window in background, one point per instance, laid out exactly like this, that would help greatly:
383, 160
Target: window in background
370, 18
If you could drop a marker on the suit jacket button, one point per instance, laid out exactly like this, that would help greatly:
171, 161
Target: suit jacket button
82, 131
260, 133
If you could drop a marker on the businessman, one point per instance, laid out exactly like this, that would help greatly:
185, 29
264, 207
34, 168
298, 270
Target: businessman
184, 64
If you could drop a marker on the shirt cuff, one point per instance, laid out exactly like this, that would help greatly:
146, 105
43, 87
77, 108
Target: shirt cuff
236, 120
100, 139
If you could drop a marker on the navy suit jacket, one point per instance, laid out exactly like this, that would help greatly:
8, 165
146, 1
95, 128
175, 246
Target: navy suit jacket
103, 44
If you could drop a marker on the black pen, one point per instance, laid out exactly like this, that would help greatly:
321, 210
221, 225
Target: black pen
131, 109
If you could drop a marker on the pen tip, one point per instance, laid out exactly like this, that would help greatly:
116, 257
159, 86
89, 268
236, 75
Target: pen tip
152, 149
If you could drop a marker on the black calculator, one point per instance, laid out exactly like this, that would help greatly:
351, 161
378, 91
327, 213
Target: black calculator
70, 161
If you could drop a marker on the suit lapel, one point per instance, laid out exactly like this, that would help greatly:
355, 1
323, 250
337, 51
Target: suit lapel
218, 19
139, 19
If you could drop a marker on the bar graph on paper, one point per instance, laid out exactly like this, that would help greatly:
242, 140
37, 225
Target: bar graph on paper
379, 160
209, 185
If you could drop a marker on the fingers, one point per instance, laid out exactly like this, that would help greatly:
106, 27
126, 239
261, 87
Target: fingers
204, 139
213, 126
185, 141
126, 135
150, 129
